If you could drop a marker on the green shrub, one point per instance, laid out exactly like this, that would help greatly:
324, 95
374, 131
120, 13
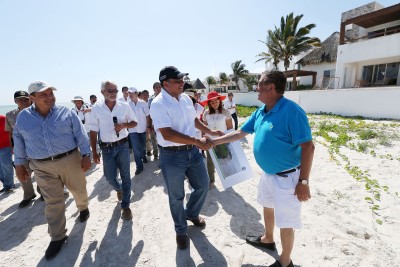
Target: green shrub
243, 111
367, 134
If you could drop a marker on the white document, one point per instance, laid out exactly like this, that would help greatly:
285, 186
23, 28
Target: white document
231, 164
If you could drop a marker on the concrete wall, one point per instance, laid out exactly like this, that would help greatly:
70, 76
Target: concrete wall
379, 102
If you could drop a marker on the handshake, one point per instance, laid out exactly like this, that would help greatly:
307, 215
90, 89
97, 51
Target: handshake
205, 143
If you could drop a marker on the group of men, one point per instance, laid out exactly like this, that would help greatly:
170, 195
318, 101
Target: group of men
51, 141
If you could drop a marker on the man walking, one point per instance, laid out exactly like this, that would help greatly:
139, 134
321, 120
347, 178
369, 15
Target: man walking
6, 167
175, 121
284, 150
49, 136
112, 119
21, 98
137, 135
151, 140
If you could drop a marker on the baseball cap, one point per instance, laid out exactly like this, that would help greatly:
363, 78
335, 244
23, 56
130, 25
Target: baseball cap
132, 90
170, 72
39, 86
21, 94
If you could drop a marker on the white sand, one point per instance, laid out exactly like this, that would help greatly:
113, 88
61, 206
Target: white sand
339, 227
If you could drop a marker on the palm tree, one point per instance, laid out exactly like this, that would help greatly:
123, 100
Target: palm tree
223, 78
272, 55
239, 71
288, 41
210, 80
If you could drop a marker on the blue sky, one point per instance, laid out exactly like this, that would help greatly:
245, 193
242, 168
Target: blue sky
74, 45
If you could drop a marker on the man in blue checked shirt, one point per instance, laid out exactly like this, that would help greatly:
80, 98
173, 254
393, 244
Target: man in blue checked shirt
55, 142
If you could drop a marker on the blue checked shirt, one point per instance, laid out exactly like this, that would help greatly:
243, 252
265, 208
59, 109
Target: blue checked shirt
36, 137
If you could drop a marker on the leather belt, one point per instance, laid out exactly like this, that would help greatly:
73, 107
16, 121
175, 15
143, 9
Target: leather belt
177, 148
59, 156
283, 174
112, 144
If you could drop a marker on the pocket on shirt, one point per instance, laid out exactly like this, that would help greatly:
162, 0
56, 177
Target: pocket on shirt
62, 126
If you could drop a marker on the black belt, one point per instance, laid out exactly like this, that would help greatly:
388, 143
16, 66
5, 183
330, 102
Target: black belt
283, 174
112, 144
59, 156
177, 148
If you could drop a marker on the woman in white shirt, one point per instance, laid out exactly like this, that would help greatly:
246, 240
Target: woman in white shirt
230, 105
217, 118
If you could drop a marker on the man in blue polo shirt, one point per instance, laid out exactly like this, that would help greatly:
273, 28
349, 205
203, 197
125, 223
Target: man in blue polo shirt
284, 150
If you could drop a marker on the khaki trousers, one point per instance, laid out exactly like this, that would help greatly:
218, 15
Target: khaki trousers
27, 186
51, 176
151, 143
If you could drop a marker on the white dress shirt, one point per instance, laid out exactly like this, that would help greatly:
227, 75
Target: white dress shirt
166, 111
141, 110
101, 119
230, 105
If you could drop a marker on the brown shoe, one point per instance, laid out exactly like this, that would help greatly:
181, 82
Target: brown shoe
119, 195
199, 222
182, 241
126, 214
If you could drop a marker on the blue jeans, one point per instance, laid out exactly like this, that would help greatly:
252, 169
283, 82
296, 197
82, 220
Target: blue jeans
175, 165
6, 168
114, 158
138, 141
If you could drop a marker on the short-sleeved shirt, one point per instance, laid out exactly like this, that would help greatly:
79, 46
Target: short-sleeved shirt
83, 116
278, 135
167, 111
11, 118
101, 119
217, 121
141, 110
230, 105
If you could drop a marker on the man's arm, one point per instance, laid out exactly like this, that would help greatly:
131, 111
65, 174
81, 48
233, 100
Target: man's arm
230, 137
203, 127
93, 144
173, 136
307, 154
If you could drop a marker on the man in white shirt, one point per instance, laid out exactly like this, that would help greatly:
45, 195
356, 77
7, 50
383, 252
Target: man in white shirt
124, 97
112, 119
137, 135
175, 123
82, 110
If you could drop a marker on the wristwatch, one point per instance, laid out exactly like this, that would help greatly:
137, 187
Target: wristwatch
86, 155
303, 181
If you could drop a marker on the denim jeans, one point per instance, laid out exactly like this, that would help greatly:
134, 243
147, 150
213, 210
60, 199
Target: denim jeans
114, 158
6, 168
235, 120
175, 165
138, 141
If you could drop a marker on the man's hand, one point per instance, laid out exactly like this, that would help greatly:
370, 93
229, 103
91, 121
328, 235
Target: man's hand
303, 192
96, 158
86, 164
119, 127
204, 143
22, 173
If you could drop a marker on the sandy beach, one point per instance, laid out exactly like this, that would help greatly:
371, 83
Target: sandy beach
342, 226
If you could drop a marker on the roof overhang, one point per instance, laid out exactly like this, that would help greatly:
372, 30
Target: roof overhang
375, 18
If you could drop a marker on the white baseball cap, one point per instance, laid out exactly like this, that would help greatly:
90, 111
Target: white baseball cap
39, 86
132, 90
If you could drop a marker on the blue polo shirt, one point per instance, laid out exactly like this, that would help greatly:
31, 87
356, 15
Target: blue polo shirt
278, 135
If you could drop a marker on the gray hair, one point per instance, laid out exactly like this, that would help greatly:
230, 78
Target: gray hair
105, 83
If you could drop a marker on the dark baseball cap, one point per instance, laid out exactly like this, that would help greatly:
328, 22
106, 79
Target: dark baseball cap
21, 94
170, 72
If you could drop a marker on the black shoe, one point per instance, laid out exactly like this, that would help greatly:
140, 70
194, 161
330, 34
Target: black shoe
26, 202
256, 241
54, 247
278, 264
148, 153
145, 160
84, 215
182, 241
199, 222
41, 197
138, 172
155, 156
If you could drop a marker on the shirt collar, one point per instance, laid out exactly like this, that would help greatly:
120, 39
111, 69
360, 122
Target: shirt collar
277, 105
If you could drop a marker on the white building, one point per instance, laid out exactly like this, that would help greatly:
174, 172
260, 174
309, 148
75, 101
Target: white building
369, 47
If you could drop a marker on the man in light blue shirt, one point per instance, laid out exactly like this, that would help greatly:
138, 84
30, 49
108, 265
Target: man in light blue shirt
53, 140
284, 150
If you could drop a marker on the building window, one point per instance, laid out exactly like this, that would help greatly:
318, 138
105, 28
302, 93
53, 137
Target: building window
328, 80
381, 75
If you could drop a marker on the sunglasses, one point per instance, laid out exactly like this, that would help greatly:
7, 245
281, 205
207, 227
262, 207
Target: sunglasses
111, 91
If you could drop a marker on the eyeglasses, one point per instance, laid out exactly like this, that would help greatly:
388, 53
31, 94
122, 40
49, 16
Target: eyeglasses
112, 91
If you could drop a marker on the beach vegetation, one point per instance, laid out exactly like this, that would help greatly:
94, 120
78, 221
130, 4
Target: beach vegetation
239, 72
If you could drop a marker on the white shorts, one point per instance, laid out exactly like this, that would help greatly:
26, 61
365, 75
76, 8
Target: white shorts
277, 192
